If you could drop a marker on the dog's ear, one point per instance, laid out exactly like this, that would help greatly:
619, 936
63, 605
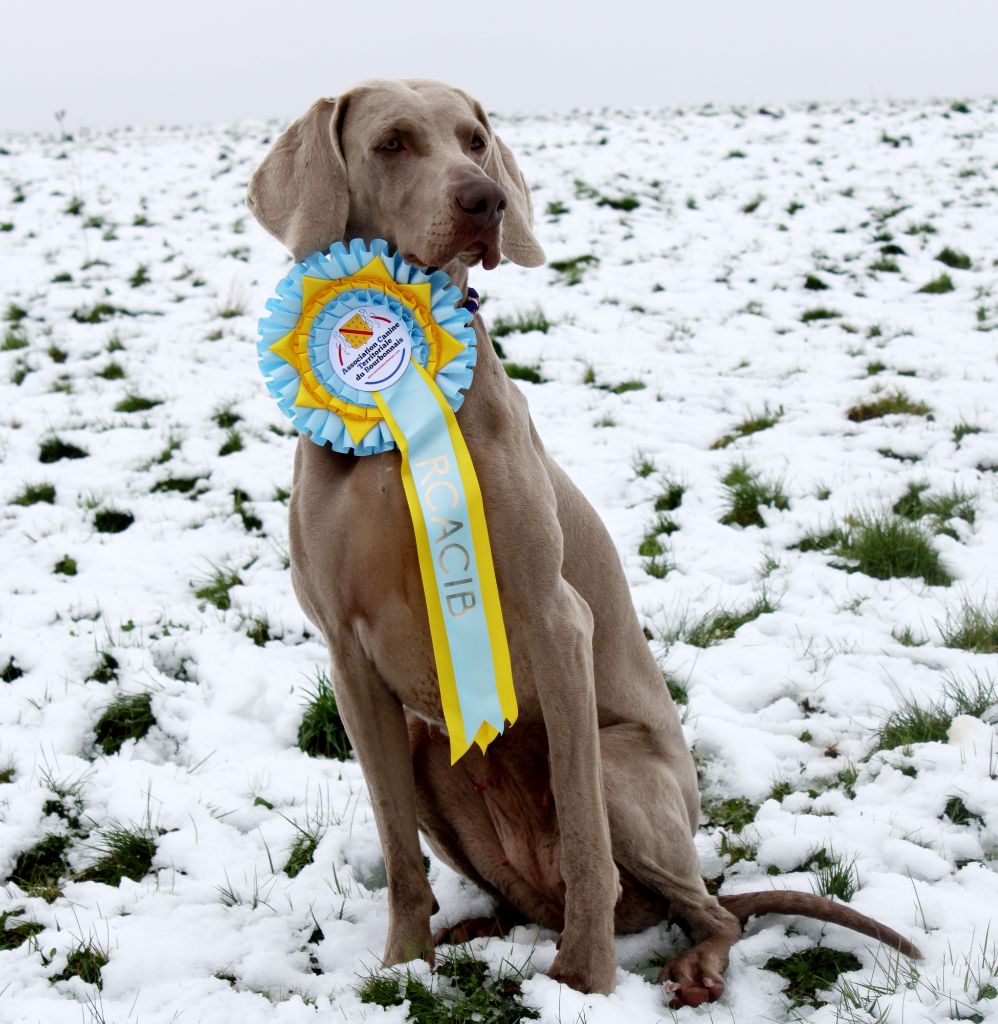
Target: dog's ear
518, 241
299, 193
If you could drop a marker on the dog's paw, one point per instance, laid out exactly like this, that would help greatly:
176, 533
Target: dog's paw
400, 949
470, 928
688, 981
594, 975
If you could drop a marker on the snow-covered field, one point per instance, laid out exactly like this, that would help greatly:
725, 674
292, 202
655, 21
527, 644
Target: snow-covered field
713, 233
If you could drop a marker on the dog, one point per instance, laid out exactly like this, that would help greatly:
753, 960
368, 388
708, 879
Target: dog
581, 816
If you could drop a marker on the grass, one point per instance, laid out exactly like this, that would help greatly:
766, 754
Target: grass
751, 425
321, 733
973, 628
11, 671
522, 323
959, 814
98, 313
814, 284
113, 371
35, 494
215, 587
938, 286
124, 853
835, 877
127, 717
140, 276
809, 971
954, 259
670, 498
240, 505
176, 485
734, 813
820, 541
625, 202
233, 443
964, 429
106, 669
85, 962
886, 546
463, 990
54, 449
521, 371
819, 313
13, 340
894, 403
257, 628
112, 520
136, 403
717, 625
914, 723
917, 504
66, 566
38, 869
14, 935
571, 271
747, 493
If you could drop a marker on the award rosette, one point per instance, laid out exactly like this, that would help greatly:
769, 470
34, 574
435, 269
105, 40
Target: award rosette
366, 353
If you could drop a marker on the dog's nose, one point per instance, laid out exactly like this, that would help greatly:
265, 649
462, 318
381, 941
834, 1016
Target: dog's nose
482, 202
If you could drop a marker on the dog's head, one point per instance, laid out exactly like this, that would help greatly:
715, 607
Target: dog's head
414, 162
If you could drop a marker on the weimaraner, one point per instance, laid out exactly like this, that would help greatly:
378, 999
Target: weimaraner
580, 816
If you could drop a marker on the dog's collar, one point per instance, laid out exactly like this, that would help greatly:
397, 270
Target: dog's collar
471, 303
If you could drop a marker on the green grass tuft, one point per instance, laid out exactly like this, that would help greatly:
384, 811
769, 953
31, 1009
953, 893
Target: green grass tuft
124, 853
717, 625
953, 258
34, 494
98, 313
625, 203
66, 566
522, 323
671, 497
112, 520
215, 588
54, 449
734, 813
136, 403
973, 628
571, 271
747, 492
752, 425
127, 717
964, 429
886, 546
462, 991
916, 504
894, 403
113, 371
11, 671
233, 443
820, 313
520, 371
140, 276
835, 877
39, 869
811, 970
938, 286
15, 935
814, 284
85, 962
106, 669
914, 723
321, 733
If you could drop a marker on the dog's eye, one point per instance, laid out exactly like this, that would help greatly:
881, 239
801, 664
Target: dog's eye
478, 142
391, 146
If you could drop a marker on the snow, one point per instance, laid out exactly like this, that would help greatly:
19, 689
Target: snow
696, 298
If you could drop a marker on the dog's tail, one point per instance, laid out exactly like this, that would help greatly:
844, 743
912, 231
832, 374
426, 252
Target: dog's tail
783, 901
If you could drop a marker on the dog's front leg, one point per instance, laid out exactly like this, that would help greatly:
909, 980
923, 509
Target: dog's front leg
561, 655
375, 722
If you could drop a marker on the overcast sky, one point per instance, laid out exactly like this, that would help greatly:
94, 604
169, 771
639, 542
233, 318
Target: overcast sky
111, 62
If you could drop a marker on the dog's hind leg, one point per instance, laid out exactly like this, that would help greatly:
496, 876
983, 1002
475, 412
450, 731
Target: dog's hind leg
651, 823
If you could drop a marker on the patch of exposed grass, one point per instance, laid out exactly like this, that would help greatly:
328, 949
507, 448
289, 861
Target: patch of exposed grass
886, 546
556, 208
127, 717
734, 813
819, 313
819, 541
11, 671
113, 371
954, 259
225, 417
914, 723
54, 449
938, 286
463, 990
625, 202
136, 403
14, 935
964, 429
123, 853
916, 504
140, 276
973, 628
627, 385
106, 669
34, 494
751, 425
958, 813
643, 465
66, 566
747, 493
571, 271
321, 733
241, 506
13, 340
717, 625
98, 313
835, 877
257, 628
112, 520
233, 443
671, 496
38, 869
85, 962
894, 403
522, 323
810, 971
814, 284
176, 485
521, 371
215, 587
885, 265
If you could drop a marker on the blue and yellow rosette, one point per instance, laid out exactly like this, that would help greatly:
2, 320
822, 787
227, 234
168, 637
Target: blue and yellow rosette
366, 353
